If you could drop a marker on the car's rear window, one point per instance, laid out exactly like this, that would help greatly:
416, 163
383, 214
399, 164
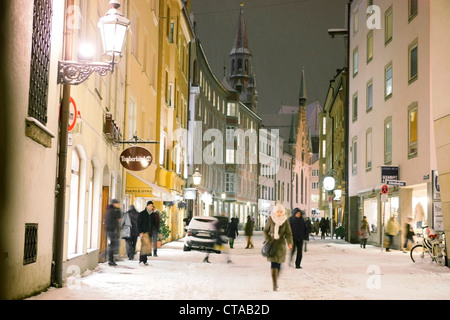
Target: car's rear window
202, 223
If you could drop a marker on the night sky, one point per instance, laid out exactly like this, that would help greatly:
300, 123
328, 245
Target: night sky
284, 37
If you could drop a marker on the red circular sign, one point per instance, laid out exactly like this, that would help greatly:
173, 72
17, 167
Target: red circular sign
384, 189
75, 114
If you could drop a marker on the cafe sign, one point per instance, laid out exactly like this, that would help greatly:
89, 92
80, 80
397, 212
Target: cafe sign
136, 158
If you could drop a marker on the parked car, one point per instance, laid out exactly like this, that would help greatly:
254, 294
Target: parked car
202, 233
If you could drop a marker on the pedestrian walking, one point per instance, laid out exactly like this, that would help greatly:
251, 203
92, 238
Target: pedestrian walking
316, 226
219, 245
278, 231
391, 231
130, 233
409, 234
232, 231
299, 234
364, 232
309, 228
113, 217
248, 229
149, 222
327, 226
323, 228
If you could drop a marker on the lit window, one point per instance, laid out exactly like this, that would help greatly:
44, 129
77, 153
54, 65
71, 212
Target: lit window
412, 130
388, 81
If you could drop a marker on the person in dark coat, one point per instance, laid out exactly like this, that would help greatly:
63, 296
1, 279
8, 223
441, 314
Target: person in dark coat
409, 234
323, 228
112, 221
232, 231
131, 217
299, 233
149, 222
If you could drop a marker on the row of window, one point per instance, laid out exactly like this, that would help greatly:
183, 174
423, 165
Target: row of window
413, 10
247, 187
412, 143
84, 205
388, 79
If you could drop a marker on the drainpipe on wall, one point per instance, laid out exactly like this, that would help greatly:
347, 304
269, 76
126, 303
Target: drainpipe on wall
58, 246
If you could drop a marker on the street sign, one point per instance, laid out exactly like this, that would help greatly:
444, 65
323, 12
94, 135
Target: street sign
73, 114
396, 183
384, 189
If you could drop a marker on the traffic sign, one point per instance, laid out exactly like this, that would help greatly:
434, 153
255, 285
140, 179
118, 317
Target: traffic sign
384, 189
73, 116
396, 183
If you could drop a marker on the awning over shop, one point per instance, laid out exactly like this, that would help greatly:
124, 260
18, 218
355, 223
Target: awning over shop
142, 188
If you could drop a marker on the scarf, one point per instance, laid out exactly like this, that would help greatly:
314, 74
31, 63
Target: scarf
278, 221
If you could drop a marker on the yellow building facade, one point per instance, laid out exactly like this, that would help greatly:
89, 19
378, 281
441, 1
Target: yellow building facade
156, 105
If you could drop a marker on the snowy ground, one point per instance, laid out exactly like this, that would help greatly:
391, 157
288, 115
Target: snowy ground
332, 270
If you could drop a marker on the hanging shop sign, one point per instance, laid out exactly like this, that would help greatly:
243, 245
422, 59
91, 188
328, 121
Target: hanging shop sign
136, 158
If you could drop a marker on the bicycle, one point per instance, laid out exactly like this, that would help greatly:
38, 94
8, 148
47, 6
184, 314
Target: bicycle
432, 248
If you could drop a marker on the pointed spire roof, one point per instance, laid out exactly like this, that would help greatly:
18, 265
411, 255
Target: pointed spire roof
302, 95
240, 44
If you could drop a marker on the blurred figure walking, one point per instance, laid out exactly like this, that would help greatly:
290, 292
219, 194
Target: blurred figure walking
409, 234
129, 225
364, 232
113, 217
249, 226
232, 231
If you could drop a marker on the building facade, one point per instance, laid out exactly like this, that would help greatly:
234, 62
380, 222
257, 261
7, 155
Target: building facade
269, 140
391, 116
29, 131
333, 155
440, 71
209, 105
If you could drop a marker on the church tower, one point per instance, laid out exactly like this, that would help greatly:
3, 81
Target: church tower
303, 145
242, 78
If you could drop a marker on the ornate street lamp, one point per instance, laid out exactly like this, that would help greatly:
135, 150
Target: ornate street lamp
197, 177
113, 27
329, 183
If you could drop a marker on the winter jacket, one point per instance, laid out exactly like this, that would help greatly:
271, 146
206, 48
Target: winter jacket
129, 223
125, 225
112, 219
249, 227
134, 216
298, 227
285, 234
148, 222
409, 231
365, 231
232, 230
391, 228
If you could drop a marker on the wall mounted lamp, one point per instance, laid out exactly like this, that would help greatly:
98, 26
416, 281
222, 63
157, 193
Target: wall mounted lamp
113, 27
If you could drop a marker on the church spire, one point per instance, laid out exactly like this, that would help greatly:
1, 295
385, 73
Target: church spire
240, 44
241, 77
302, 95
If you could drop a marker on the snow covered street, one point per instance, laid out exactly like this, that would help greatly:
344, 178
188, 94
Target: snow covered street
332, 270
